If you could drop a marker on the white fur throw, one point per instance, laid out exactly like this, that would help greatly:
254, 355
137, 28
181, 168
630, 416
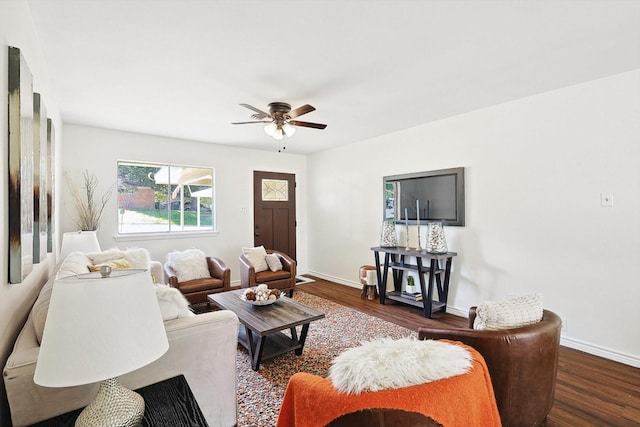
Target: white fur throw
387, 364
189, 265
257, 257
173, 304
513, 313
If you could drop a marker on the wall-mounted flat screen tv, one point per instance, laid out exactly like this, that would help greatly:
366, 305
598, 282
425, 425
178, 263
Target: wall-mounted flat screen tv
439, 196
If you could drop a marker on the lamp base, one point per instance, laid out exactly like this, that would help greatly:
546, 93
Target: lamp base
113, 406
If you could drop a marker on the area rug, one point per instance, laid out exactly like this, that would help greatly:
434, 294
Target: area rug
260, 393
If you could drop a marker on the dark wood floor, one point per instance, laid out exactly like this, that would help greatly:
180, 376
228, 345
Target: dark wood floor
590, 391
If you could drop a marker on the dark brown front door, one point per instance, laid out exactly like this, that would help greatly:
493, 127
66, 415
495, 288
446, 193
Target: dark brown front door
274, 211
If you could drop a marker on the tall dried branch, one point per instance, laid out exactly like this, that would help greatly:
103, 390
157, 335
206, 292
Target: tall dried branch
88, 209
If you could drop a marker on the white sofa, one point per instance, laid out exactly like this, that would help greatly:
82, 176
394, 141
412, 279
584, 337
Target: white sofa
202, 348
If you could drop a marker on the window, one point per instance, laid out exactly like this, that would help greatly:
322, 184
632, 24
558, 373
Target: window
157, 198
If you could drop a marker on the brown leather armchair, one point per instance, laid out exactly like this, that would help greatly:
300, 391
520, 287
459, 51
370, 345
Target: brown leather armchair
285, 279
381, 417
522, 363
196, 291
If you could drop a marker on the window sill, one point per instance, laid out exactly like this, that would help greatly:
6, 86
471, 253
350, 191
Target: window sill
164, 236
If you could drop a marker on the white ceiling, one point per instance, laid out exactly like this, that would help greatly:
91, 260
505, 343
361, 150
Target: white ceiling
179, 68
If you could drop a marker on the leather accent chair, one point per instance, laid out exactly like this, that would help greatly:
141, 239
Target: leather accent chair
522, 363
196, 290
379, 417
285, 279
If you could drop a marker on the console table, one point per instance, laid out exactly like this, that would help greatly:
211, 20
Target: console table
438, 270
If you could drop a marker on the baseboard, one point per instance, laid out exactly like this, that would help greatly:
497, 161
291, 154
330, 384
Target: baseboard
605, 353
575, 344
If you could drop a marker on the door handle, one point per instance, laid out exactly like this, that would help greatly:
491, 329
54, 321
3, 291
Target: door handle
257, 234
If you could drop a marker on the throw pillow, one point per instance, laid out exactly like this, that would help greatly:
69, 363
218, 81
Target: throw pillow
387, 364
137, 257
273, 261
257, 258
189, 265
40, 310
115, 264
75, 263
173, 305
513, 313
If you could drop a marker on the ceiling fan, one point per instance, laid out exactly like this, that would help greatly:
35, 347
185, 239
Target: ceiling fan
279, 120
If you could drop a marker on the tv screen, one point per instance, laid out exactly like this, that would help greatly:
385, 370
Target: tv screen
439, 196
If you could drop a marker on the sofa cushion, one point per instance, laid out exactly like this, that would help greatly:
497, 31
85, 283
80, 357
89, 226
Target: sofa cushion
513, 313
74, 263
387, 363
189, 265
273, 261
40, 309
257, 258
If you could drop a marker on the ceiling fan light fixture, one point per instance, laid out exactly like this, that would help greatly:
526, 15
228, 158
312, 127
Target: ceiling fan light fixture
270, 128
278, 134
288, 129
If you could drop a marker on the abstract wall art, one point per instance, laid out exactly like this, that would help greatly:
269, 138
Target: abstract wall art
50, 184
20, 191
39, 179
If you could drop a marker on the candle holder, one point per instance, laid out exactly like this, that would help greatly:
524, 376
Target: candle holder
407, 248
419, 248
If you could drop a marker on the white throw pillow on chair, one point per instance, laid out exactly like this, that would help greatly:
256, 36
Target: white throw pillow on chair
257, 258
274, 262
189, 265
513, 313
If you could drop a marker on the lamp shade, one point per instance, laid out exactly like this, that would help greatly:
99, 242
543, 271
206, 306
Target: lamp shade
100, 328
82, 241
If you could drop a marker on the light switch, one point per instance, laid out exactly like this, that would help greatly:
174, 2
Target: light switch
606, 199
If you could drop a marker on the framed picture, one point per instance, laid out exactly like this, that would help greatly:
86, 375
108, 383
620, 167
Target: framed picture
20, 88
39, 179
51, 136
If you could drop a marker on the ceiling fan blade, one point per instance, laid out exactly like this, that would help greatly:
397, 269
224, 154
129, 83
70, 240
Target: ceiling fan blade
244, 123
307, 124
261, 114
301, 110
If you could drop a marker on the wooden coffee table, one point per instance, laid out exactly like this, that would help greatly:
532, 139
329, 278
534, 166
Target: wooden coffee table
261, 322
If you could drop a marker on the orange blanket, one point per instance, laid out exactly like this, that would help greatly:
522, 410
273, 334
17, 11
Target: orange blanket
462, 400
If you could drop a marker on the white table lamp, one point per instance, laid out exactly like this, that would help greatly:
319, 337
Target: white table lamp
82, 241
96, 330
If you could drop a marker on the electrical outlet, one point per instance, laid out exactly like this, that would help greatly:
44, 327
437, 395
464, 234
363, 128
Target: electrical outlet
564, 324
606, 200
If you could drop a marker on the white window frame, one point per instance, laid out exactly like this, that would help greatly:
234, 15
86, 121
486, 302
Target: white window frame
172, 231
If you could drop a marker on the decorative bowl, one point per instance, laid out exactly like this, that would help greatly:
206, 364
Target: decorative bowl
261, 289
264, 302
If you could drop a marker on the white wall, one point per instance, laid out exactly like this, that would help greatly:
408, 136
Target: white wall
535, 169
17, 30
98, 150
